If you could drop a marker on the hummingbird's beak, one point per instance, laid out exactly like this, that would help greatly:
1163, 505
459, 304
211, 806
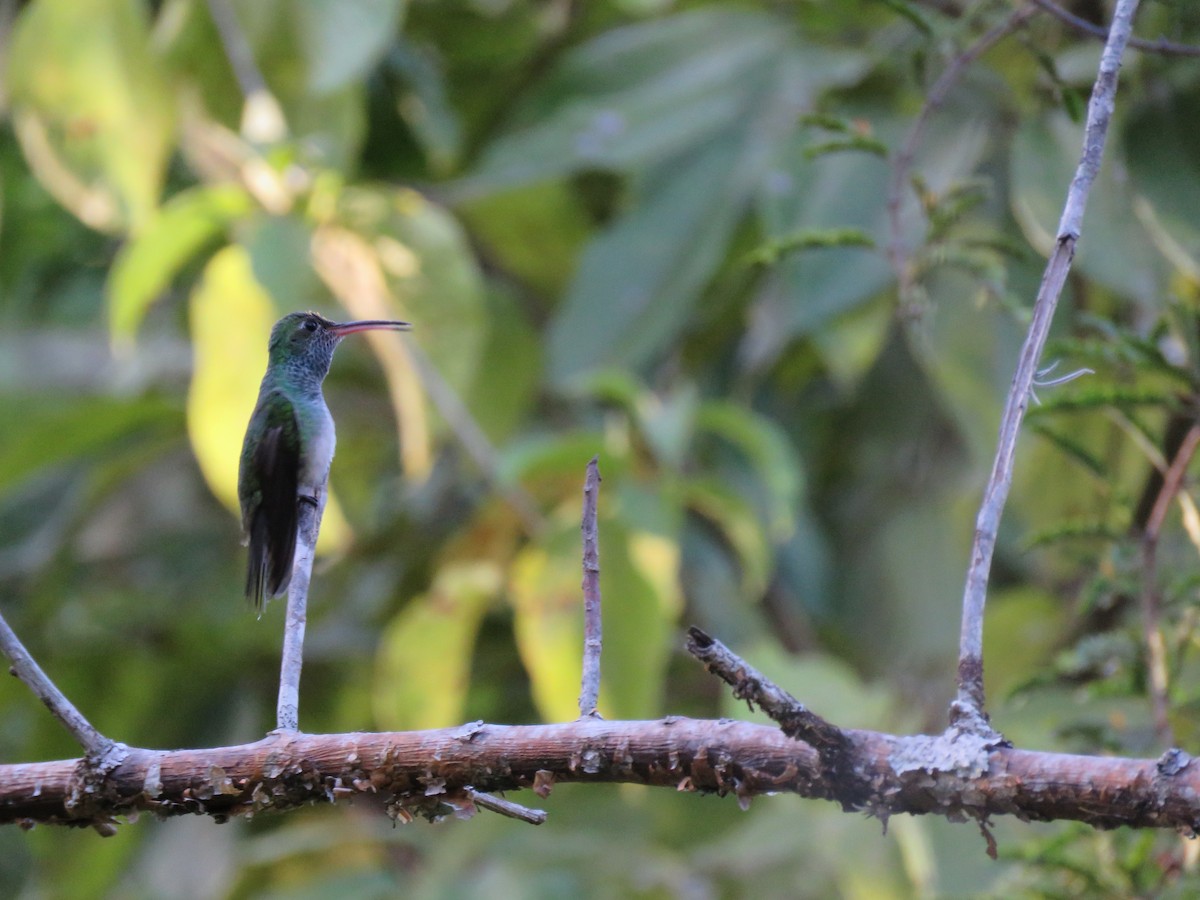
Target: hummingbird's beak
341, 329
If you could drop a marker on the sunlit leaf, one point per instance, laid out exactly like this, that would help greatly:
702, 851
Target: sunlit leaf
354, 272
149, 260
429, 267
92, 108
231, 317
547, 621
642, 599
423, 665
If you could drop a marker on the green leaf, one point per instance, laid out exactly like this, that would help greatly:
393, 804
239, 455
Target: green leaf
53, 431
92, 108
769, 452
1116, 249
693, 107
1161, 151
509, 370
552, 456
739, 524
344, 39
423, 664
425, 106
147, 262
536, 231
841, 193
547, 621
638, 280
639, 96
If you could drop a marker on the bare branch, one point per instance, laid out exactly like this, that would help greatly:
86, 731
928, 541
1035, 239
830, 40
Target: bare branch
1161, 46
408, 772
795, 720
1156, 650
969, 705
262, 116
507, 808
477, 444
589, 692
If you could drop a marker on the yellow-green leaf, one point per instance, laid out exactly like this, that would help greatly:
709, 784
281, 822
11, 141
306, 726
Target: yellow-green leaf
423, 667
92, 108
548, 616
147, 263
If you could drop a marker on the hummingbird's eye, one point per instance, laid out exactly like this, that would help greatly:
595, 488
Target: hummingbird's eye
310, 325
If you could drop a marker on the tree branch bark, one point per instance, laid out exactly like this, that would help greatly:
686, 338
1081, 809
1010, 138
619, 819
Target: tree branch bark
432, 773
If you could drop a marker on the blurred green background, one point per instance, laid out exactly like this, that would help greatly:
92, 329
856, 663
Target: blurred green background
650, 230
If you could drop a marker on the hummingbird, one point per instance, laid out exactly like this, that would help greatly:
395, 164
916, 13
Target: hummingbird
289, 444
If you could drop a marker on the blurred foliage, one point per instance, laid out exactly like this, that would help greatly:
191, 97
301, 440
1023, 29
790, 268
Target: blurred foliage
653, 230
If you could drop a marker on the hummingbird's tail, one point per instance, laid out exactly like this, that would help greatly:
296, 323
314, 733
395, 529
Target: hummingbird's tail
272, 551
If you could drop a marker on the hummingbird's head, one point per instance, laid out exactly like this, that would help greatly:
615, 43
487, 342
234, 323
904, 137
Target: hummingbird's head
303, 342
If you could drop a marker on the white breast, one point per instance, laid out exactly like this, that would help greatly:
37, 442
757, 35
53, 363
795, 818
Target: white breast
314, 467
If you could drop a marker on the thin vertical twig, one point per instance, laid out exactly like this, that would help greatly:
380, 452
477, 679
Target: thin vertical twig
25, 667
287, 710
589, 692
968, 708
262, 116
1156, 649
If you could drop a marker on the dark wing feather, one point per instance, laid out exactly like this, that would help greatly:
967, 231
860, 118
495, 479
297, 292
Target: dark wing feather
271, 523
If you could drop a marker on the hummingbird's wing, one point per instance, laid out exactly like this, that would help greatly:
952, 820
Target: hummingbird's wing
270, 515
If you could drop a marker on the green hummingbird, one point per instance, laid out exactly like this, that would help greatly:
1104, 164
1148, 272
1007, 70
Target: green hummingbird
289, 444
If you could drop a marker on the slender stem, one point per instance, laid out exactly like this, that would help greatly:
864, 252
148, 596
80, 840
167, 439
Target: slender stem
903, 160
287, 715
477, 444
970, 701
1156, 649
1162, 45
589, 692
237, 48
25, 667
262, 116
507, 807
